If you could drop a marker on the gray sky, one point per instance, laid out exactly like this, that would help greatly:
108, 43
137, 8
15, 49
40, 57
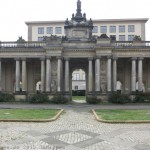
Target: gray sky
14, 13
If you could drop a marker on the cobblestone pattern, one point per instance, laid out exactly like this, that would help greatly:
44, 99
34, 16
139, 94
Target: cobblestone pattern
74, 130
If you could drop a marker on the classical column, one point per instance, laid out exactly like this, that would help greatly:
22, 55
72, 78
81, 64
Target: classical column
140, 74
17, 84
48, 75
97, 74
109, 74
42, 74
66, 74
24, 75
0, 75
114, 73
59, 74
133, 75
90, 76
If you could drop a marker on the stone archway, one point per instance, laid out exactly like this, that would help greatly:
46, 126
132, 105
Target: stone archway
80, 64
78, 85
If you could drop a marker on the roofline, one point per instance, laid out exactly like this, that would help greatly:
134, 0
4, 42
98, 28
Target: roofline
94, 20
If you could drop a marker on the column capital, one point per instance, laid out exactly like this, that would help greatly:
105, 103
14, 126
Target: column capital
140, 58
48, 57
66, 58
115, 58
98, 57
59, 57
17, 58
24, 58
109, 56
90, 58
134, 58
42, 58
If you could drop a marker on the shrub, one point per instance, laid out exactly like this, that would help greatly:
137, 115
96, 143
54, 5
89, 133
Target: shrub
59, 99
142, 98
92, 100
6, 97
38, 98
119, 98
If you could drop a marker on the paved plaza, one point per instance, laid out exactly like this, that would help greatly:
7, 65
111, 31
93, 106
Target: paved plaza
76, 129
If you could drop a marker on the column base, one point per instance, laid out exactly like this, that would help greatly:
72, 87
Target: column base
98, 92
109, 92
103, 97
20, 97
134, 92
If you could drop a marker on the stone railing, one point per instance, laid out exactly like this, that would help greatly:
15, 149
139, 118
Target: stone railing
132, 43
21, 44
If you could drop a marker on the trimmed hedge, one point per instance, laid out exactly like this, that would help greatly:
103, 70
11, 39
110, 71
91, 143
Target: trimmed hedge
142, 98
119, 98
6, 97
92, 100
59, 99
38, 98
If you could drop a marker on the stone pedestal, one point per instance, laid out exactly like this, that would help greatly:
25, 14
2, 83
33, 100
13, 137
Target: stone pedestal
20, 97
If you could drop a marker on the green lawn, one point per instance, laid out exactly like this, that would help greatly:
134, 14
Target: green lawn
27, 113
78, 97
123, 115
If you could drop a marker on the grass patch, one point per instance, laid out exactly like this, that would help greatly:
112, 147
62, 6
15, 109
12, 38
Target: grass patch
78, 97
123, 115
21, 114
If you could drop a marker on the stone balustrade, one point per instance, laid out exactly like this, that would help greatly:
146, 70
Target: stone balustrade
21, 44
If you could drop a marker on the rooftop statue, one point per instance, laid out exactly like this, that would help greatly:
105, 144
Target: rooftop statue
20, 39
78, 18
79, 14
78, 27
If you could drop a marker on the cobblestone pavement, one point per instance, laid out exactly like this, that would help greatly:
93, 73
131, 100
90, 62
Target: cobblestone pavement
76, 129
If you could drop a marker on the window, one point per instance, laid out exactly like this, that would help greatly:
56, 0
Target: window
41, 30
40, 38
58, 30
130, 28
76, 87
130, 37
49, 30
122, 28
121, 37
95, 29
103, 29
76, 76
113, 37
112, 29
83, 76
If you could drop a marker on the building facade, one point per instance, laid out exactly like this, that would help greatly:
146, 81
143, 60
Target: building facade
27, 67
121, 29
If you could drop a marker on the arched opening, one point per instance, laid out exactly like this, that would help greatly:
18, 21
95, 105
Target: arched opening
78, 85
137, 87
38, 87
20, 86
119, 87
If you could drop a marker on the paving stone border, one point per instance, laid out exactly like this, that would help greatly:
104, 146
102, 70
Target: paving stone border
34, 120
117, 121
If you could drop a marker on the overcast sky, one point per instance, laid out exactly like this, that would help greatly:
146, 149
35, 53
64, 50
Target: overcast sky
14, 13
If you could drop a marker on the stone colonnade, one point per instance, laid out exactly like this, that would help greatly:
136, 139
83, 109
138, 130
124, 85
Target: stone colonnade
46, 82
